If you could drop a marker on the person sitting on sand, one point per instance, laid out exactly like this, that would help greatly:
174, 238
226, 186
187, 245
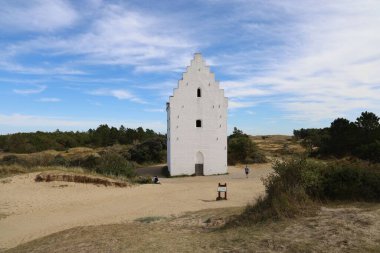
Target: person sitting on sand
155, 180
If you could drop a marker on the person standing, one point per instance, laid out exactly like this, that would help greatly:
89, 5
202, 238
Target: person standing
246, 169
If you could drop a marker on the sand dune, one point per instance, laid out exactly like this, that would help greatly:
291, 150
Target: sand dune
29, 210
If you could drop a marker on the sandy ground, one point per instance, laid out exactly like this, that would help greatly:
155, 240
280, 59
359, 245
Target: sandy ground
29, 210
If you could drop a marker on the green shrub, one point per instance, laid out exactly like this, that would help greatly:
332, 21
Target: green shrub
297, 183
336, 181
370, 152
10, 159
59, 160
115, 164
303, 173
351, 181
242, 150
143, 180
286, 195
91, 161
149, 151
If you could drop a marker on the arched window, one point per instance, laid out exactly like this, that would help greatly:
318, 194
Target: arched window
199, 94
198, 123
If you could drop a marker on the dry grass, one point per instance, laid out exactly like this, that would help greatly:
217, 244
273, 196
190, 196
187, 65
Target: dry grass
11, 170
278, 145
61, 173
78, 178
333, 229
77, 152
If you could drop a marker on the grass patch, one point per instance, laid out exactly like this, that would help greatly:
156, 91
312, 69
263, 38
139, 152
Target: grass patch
183, 175
149, 219
9, 170
331, 230
142, 180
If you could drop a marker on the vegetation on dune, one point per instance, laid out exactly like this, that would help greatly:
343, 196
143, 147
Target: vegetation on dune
116, 160
241, 149
107, 163
78, 178
9, 170
152, 150
344, 138
102, 136
297, 186
107, 151
115, 164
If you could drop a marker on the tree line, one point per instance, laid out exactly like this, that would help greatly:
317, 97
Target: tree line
102, 136
345, 138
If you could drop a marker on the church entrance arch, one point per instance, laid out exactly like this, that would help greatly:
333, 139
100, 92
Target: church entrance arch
199, 160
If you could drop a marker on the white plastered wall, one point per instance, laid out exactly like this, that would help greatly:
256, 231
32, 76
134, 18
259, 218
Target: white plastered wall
185, 140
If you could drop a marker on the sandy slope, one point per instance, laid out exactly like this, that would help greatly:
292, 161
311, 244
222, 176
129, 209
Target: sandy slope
30, 210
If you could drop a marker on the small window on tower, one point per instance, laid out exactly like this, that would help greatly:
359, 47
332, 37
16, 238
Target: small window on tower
199, 94
199, 123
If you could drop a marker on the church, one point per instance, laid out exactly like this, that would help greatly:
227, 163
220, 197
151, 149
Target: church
197, 123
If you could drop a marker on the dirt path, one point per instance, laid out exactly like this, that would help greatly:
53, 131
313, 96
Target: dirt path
30, 210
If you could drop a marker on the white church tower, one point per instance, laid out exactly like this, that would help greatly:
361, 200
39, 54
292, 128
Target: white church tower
197, 123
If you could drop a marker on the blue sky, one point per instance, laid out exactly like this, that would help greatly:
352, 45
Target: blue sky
72, 65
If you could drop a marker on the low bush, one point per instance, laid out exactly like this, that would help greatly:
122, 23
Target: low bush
152, 150
59, 160
10, 159
370, 152
116, 165
242, 150
357, 181
298, 184
9, 170
286, 195
143, 180
37, 159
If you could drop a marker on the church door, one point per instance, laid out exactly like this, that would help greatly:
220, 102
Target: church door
199, 164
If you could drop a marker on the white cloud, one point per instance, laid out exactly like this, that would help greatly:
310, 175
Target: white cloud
235, 104
246, 92
36, 90
313, 62
36, 15
23, 122
121, 94
328, 65
118, 36
7, 64
49, 100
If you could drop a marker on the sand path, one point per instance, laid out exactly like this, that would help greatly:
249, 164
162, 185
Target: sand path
29, 210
